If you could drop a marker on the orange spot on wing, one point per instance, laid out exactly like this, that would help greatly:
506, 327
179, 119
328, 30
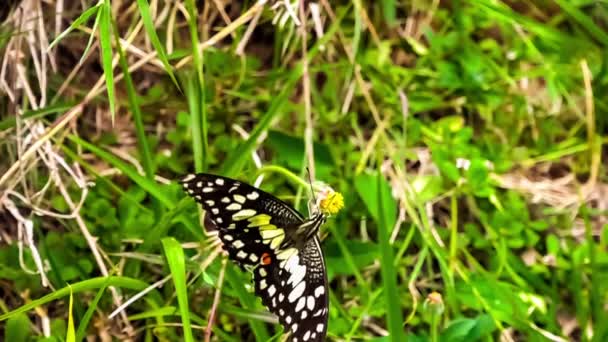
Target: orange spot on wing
266, 259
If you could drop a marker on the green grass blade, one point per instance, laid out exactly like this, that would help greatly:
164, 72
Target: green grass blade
11, 121
193, 93
84, 321
197, 93
144, 12
105, 40
175, 258
142, 140
86, 285
394, 316
75, 24
71, 333
584, 20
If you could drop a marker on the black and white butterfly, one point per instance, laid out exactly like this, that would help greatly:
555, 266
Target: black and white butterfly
265, 234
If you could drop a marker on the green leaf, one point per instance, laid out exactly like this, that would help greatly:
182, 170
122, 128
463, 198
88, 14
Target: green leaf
467, 329
367, 187
290, 151
18, 328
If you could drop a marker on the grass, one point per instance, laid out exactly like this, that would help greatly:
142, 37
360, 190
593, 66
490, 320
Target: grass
467, 137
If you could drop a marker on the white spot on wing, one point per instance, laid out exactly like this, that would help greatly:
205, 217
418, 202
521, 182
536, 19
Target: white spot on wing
238, 244
310, 303
263, 284
319, 291
239, 198
286, 253
207, 189
294, 327
253, 195
300, 304
234, 206
288, 319
228, 237
306, 336
210, 203
188, 178
253, 258
281, 297
276, 242
225, 200
243, 214
262, 272
199, 184
320, 327
241, 255
304, 314
270, 233
272, 290
215, 211
219, 181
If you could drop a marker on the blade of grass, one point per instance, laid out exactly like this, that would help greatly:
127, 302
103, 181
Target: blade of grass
105, 40
193, 94
197, 93
92, 306
11, 121
394, 316
75, 24
86, 285
142, 141
175, 258
144, 12
584, 20
71, 333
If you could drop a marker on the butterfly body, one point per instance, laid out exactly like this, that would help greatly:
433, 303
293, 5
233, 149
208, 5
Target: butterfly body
264, 234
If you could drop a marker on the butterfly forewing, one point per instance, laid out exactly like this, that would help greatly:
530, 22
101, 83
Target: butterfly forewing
253, 225
250, 221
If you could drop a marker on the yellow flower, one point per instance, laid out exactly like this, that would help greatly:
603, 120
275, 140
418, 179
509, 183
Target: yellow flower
332, 203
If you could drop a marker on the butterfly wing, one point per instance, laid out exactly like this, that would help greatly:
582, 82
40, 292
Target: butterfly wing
251, 222
294, 287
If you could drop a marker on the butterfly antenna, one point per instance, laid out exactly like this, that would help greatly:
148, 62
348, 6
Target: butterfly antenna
312, 191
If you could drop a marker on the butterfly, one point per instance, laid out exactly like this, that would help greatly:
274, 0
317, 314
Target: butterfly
262, 233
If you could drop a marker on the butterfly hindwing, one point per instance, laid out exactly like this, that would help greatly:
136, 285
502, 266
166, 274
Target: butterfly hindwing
293, 286
252, 224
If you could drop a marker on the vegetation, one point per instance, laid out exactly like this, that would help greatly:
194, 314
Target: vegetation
467, 137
